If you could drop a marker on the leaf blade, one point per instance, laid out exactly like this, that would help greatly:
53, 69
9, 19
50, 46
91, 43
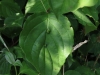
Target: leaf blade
49, 44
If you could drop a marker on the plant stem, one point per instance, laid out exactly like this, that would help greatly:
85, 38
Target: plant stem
15, 70
96, 60
63, 69
79, 45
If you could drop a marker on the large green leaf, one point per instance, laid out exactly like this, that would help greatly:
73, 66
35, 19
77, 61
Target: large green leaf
47, 42
8, 8
35, 6
64, 6
84, 20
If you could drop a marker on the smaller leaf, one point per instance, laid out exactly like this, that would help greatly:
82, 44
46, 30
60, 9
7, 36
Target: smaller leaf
17, 63
16, 19
83, 19
8, 8
91, 12
9, 57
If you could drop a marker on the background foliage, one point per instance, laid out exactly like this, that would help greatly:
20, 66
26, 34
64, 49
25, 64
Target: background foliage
38, 37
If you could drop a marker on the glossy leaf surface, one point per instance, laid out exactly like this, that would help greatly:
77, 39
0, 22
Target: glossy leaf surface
64, 6
36, 6
47, 42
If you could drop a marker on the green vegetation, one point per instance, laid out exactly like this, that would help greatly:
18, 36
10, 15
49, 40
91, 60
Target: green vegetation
49, 37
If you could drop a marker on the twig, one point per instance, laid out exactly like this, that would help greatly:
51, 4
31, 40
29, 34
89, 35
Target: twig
79, 45
63, 69
15, 70
96, 60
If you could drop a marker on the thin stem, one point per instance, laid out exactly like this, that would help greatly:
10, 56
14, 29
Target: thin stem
96, 60
86, 61
79, 45
44, 6
4, 43
63, 69
15, 70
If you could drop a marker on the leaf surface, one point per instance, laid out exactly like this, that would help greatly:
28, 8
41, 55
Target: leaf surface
4, 65
47, 41
36, 6
84, 20
64, 6
10, 58
8, 8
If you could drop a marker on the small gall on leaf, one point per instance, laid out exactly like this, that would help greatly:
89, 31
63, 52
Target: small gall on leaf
45, 45
48, 31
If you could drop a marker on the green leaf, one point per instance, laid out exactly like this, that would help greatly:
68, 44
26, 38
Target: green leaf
83, 19
16, 20
25, 69
8, 8
84, 70
72, 72
9, 57
91, 12
64, 6
17, 63
4, 65
36, 6
47, 42
18, 52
